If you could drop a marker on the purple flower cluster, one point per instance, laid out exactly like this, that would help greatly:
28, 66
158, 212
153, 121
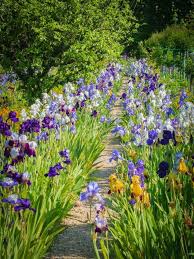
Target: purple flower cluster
137, 169
30, 125
19, 203
4, 128
17, 149
53, 113
54, 170
92, 192
111, 101
183, 96
13, 178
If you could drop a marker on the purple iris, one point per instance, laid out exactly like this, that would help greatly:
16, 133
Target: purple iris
120, 130
115, 155
149, 141
18, 159
8, 182
4, 128
183, 96
132, 202
145, 89
164, 141
65, 154
30, 125
102, 119
4, 79
130, 111
140, 171
164, 165
80, 81
137, 169
101, 224
140, 166
73, 129
91, 192
94, 113
11, 199
152, 134
112, 99
124, 96
131, 169
7, 168
48, 122
58, 166
169, 111
13, 116
29, 151
152, 86
52, 172
175, 123
83, 103
19, 178
135, 129
163, 169
167, 135
23, 204
42, 136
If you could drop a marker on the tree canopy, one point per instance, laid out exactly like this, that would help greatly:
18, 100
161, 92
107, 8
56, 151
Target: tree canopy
51, 41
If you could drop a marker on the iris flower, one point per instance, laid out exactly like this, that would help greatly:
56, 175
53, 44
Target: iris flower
91, 192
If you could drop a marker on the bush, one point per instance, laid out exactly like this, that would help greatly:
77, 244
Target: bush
172, 47
175, 37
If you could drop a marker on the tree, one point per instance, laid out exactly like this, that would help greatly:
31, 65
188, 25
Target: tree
53, 41
155, 15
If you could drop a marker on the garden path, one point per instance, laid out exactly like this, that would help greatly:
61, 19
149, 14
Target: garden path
75, 241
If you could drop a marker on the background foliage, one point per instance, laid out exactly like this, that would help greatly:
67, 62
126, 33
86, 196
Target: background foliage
48, 42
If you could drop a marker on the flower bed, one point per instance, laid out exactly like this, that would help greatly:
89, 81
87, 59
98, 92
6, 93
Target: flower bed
152, 189
47, 153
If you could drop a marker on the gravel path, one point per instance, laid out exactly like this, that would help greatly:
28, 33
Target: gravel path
75, 241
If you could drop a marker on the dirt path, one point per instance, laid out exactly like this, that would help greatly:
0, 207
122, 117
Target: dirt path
75, 241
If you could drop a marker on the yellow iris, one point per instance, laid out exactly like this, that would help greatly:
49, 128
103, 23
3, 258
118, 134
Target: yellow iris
135, 186
110, 93
132, 154
146, 199
135, 179
4, 111
178, 137
116, 185
182, 166
136, 190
